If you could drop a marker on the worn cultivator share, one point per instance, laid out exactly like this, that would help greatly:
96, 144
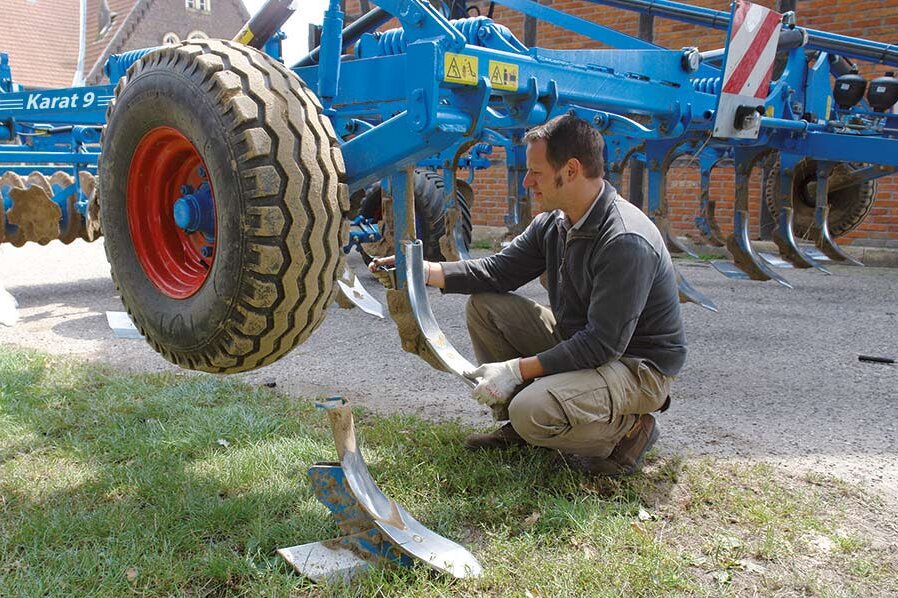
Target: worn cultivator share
229, 187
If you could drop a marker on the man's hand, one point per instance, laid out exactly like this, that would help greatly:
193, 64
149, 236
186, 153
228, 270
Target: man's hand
380, 267
382, 262
496, 381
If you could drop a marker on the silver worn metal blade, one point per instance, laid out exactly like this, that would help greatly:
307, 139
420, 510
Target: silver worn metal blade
397, 525
427, 322
324, 561
122, 325
9, 312
775, 260
730, 270
353, 290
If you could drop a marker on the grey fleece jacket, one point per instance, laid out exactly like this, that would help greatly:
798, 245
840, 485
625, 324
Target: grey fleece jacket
611, 283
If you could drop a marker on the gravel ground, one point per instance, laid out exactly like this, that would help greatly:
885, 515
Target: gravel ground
774, 376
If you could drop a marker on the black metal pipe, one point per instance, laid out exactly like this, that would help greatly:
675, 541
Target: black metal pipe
370, 20
265, 23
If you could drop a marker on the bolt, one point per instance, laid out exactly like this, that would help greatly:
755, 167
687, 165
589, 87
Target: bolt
201, 171
206, 251
186, 189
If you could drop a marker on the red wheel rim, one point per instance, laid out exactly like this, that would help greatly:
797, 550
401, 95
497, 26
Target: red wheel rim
173, 259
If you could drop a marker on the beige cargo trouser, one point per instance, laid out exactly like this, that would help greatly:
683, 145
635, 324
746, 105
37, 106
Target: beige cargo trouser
585, 412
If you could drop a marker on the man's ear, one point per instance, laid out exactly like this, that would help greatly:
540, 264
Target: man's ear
572, 168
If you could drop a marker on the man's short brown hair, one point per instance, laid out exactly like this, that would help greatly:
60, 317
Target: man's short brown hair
567, 137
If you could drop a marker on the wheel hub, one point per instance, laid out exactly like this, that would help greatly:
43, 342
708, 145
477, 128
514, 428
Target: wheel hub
171, 212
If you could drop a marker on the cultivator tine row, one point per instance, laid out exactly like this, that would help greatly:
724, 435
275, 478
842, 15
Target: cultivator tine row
41, 209
744, 255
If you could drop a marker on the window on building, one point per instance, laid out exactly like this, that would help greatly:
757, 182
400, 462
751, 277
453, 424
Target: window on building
202, 5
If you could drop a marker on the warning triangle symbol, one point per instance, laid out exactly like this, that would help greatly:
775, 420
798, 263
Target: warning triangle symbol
496, 76
453, 70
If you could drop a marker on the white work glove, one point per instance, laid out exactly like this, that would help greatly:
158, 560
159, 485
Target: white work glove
496, 381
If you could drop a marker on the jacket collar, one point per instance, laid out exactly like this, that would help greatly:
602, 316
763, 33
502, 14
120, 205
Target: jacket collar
594, 219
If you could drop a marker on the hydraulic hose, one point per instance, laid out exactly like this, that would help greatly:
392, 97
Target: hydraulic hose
370, 20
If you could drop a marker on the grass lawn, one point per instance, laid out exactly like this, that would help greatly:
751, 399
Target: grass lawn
184, 485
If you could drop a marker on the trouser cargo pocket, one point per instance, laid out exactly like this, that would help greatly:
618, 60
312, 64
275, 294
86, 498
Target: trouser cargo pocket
583, 397
635, 386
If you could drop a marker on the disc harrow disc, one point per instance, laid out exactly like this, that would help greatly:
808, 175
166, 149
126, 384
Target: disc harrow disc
8, 182
72, 223
91, 230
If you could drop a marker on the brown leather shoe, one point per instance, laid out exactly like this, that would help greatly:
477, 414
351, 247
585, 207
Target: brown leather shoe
504, 437
626, 457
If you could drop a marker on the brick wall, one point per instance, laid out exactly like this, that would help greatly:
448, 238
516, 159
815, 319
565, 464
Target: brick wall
871, 19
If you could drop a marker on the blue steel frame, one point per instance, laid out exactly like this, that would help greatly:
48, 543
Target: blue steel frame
395, 106
410, 110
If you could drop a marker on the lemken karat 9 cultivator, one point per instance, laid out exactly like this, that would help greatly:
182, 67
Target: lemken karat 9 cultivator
227, 184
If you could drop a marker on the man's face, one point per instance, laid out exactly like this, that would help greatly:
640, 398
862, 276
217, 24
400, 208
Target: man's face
544, 182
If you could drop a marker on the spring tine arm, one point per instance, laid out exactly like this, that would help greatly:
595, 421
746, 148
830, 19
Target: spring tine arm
783, 234
824, 240
738, 243
439, 345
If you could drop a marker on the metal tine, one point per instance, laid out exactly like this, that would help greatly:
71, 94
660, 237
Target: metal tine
690, 294
823, 240
784, 234
784, 237
449, 357
706, 223
658, 166
744, 255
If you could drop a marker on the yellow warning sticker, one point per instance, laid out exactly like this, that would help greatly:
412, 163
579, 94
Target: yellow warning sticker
460, 68
504, 75
244, 37
769, 111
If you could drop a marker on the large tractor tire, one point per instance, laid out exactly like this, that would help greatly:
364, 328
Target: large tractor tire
847, 207
252, 275
430, 210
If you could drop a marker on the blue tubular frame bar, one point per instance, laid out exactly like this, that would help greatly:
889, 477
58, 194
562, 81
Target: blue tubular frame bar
600, 33
851, 47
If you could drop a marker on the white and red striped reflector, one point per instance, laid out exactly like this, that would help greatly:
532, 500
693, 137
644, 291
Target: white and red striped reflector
752, 49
